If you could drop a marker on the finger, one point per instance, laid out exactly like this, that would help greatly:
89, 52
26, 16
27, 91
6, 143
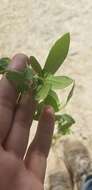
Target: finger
8, 96
18, 137
38, 151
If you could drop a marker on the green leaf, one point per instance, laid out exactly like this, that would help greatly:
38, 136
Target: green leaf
21, 79
69, 96
15, 76
18, 79
59, 82
53, 100
28, 74
3, 64
70, 93
35, 65
20, 76
43, 91
57, 54
64, 123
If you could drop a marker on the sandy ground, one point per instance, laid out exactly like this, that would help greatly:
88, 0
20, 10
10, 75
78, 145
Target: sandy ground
31, 27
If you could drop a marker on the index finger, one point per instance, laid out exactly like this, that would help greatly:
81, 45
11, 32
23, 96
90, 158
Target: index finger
8, 96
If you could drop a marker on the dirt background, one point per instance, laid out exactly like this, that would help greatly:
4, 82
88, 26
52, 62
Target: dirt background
31, 26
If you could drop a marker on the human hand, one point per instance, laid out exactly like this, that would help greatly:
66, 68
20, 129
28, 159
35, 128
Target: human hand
17, 172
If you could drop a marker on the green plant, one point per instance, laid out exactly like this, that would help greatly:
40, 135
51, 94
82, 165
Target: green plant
44, 83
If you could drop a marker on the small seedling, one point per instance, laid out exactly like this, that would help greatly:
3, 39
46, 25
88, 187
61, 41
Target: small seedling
44, 83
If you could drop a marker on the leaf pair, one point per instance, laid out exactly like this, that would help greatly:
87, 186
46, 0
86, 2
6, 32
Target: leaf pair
55, 58
52, 83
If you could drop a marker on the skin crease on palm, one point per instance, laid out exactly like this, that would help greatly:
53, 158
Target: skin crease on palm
17, 172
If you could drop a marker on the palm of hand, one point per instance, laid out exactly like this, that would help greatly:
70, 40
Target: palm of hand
15, 176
